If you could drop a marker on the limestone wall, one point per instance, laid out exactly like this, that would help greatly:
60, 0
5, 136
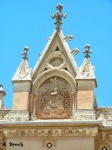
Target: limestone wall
42, 143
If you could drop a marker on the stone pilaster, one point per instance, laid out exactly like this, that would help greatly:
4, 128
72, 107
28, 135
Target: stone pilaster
86, 83
34, 109
22, 81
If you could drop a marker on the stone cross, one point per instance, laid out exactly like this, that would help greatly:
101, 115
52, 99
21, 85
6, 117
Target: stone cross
87, 51
58, 17
25, 53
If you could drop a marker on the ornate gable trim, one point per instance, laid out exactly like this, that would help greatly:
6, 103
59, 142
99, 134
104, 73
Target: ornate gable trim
57, 40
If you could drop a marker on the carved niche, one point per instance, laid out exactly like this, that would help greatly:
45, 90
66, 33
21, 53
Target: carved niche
55, 98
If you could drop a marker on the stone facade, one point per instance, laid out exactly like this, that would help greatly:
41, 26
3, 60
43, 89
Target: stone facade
54, 106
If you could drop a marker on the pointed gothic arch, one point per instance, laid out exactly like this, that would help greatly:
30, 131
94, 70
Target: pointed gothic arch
54, 72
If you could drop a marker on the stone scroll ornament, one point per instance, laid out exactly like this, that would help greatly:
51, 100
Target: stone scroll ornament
55, 100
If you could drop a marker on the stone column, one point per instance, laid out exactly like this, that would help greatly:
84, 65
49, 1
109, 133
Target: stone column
74, 102
33, 105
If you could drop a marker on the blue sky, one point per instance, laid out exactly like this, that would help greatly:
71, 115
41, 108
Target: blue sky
29, 23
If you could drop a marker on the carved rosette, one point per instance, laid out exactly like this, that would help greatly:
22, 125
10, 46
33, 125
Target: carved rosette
54, 99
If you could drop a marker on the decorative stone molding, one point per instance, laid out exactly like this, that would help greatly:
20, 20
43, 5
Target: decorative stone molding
104, 115
3, 113
55, 60
49, 66
53, 72
56, 132
18, 116
84, 115
23, 72
86, 70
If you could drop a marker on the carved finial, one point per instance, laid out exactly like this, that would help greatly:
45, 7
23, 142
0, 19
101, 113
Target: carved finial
75, 51
25, 53
69, 37
58, 17
87, 51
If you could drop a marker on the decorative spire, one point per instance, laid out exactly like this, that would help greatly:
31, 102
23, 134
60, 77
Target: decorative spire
23, 72
87, 51
58, 17
2, 90
86, 70
2, 94
25, 53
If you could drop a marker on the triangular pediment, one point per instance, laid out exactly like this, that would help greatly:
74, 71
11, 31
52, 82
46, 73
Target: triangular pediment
56, 55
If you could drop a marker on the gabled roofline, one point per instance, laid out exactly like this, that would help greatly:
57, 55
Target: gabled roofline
65, 45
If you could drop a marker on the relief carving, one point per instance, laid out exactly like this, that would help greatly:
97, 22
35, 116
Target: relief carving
18, 116
48, 134
84, 115
104, 115
23, 72
3, 114
55, 100
55, 61
86, 70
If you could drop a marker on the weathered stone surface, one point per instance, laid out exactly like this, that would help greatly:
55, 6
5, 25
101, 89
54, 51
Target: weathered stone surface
84, 115
55, 106
86, 70
3, 114
2, 94
54, 132
104, 115
23, 72
18, 116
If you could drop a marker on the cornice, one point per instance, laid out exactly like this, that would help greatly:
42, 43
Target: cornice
51, 132
52, 123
